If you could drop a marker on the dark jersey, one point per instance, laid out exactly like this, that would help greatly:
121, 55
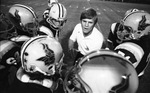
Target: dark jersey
112, 39
21, 85
144, 43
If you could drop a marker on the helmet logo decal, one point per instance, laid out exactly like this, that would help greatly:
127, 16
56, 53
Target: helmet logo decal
49, 58
122, 86
143, 24
17, 16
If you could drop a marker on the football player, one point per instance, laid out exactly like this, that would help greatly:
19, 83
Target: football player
40, 71
18, 26
112, 37
54, 19
24, 25
9, 62
134, 29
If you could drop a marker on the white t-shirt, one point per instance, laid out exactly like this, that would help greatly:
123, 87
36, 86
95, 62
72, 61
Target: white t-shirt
89, 43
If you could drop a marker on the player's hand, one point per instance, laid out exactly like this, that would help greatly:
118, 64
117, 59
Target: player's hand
73, 52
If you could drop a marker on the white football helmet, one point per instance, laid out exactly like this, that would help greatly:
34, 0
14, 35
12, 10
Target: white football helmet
132, 52
57, 15
24, 17
50, 2
42, 54
134, 26
102, 71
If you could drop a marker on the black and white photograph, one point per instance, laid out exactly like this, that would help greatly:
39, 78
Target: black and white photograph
74, 46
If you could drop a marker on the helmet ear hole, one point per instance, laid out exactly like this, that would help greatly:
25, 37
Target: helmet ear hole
48, 20
138, 32
50, 67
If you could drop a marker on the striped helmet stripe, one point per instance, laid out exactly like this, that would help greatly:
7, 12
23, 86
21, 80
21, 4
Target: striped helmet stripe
59, 10
62, 11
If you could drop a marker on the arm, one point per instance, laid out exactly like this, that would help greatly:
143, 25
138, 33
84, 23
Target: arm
73, 37
109, 41
70, 44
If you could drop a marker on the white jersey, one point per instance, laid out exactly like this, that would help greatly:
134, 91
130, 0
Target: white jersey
89, 43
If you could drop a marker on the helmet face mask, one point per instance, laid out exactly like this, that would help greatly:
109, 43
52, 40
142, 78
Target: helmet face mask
56, 23
7, 29
124, 32
31, 27
35, 69
102, 71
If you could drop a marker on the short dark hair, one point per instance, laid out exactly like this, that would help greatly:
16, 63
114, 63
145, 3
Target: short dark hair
89, 13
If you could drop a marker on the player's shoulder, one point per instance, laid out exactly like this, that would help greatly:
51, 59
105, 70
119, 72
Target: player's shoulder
78, 27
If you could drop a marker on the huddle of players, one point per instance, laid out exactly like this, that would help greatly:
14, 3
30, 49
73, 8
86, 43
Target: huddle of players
129, 38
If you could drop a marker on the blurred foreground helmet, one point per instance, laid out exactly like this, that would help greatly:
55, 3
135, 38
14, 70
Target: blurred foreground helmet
102, 71
130, 11
23, 17
57, 15
50, 2
42, 54
134, 26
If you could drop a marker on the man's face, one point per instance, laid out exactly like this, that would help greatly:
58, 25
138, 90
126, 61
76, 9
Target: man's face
58, 23
87, 25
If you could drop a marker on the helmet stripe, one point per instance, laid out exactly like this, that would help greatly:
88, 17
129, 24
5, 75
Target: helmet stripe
59, 11
62, 11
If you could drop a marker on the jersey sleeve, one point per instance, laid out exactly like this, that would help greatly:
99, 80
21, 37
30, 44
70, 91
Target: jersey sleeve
73, 36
